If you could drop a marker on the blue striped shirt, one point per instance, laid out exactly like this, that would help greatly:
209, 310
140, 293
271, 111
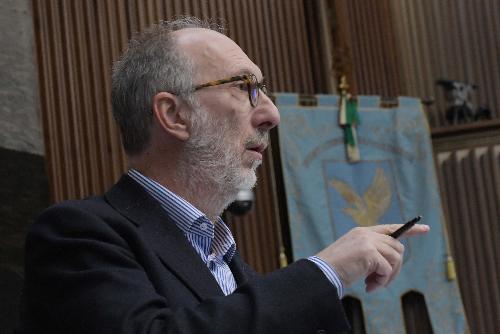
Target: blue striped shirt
214, 243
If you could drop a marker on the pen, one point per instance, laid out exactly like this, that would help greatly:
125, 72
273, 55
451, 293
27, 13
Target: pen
396, 234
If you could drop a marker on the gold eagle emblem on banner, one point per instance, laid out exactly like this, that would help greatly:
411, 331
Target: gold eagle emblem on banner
366, 210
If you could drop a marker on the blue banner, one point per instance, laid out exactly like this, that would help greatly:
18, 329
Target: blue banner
393, 182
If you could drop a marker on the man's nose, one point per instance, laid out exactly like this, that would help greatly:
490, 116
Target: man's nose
265, 116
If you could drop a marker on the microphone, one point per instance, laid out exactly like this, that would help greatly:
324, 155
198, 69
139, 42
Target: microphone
243, 202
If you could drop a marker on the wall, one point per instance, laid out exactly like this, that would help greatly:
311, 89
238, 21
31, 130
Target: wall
23, 182
20, 127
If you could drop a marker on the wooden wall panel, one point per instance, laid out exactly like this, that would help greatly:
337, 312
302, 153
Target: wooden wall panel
77, 41
470, 183
366, 29
468, 167
401, 47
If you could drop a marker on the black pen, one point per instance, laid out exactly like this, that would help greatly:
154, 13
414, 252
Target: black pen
396, 234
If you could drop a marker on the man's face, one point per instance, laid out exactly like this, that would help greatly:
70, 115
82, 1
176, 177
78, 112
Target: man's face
229, 134
214, 150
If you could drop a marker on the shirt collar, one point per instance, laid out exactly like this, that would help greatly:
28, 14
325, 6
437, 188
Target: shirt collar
187, 217
183, 213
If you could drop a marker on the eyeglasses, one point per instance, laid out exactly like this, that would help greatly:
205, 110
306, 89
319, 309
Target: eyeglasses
250, 84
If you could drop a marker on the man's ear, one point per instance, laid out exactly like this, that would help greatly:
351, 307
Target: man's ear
167, 112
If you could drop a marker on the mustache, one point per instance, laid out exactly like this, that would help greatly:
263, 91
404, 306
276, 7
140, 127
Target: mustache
261, 138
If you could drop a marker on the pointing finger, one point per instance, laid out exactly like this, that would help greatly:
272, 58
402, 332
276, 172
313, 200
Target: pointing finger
389, 228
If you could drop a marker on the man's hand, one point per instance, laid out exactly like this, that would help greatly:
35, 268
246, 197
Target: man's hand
368, 252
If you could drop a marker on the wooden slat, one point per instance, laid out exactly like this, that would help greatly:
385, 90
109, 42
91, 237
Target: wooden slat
469, 179
46, 93
278, 77
469, 253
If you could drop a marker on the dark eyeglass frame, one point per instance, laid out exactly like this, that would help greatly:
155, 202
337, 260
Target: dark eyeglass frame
249, 80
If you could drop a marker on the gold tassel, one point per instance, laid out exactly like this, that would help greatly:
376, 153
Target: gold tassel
451, 274
283, 258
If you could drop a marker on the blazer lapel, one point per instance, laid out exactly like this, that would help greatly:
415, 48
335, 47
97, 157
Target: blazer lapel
167, 240
242, 272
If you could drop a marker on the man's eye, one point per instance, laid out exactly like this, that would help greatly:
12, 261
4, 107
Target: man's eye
242, 86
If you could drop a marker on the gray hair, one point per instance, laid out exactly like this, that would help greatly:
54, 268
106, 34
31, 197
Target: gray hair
151, 64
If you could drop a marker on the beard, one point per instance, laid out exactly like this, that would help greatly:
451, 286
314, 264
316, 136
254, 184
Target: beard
213, 167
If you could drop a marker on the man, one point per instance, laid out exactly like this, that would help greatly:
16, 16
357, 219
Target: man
152, 255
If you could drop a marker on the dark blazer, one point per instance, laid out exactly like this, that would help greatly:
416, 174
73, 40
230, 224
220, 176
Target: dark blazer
117, 264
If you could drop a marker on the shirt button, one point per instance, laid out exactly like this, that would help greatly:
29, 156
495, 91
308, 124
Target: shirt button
203, 226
